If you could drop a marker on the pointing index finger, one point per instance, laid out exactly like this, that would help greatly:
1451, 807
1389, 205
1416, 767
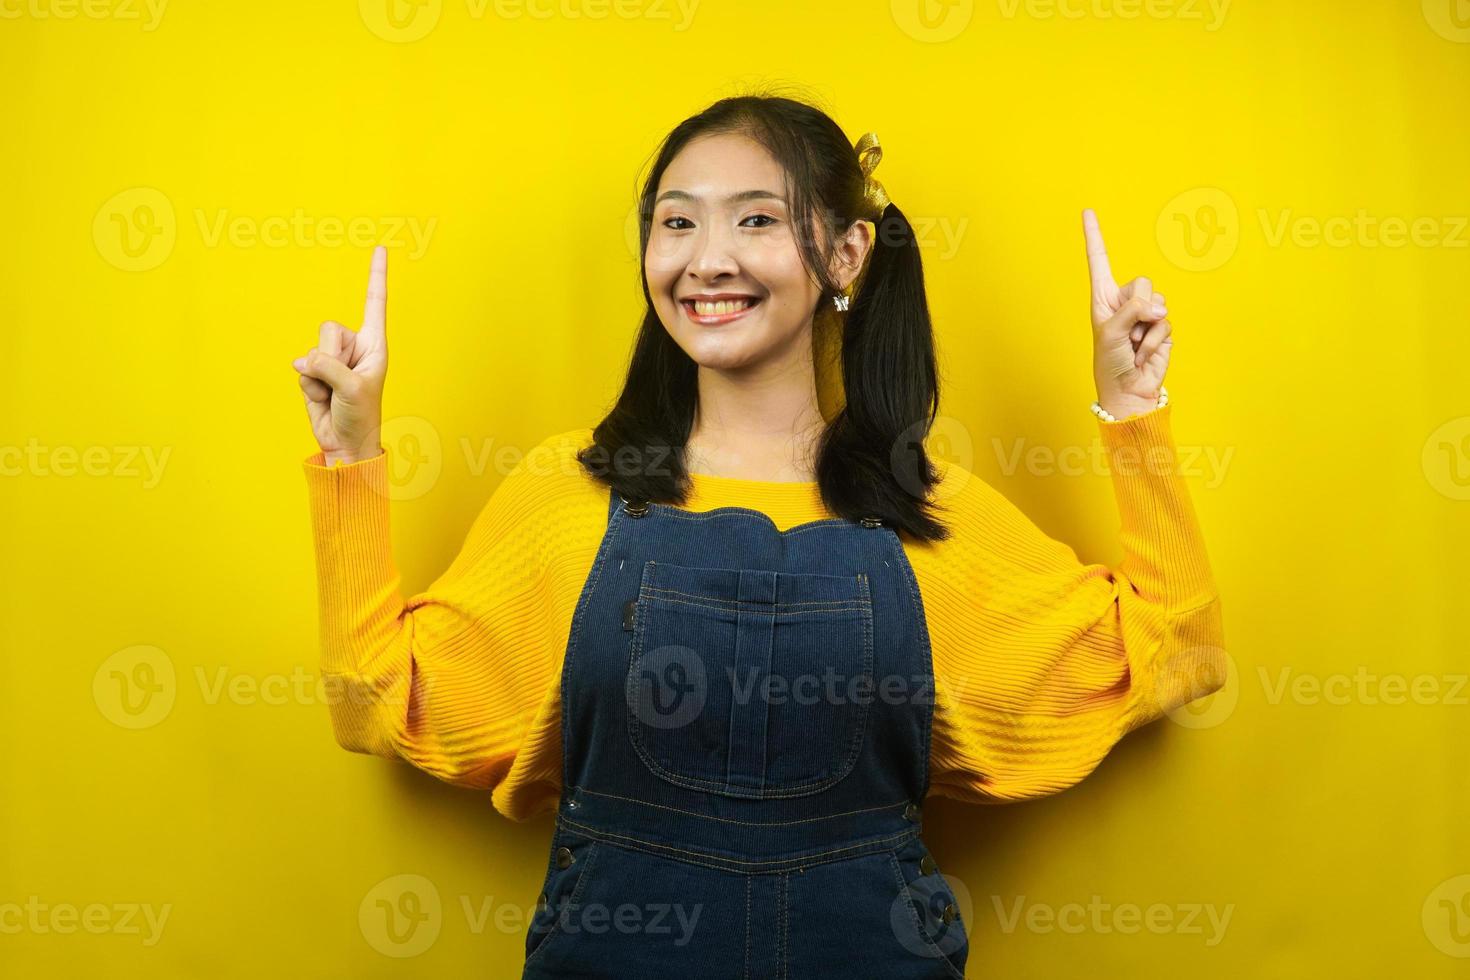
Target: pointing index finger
1097, 253
375, 308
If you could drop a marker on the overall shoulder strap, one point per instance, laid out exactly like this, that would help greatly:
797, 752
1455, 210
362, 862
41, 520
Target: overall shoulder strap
612, 502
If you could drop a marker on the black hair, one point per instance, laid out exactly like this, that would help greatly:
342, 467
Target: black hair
870, 457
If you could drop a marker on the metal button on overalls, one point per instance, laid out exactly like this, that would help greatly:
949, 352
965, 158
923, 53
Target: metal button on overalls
736, 807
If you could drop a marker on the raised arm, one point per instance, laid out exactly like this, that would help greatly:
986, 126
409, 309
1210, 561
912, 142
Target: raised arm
1042, 662
459, 679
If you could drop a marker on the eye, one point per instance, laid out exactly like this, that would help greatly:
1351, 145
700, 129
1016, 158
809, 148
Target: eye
676, 218
762, 217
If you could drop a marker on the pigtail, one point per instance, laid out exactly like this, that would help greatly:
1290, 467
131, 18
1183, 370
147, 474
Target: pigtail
873, 457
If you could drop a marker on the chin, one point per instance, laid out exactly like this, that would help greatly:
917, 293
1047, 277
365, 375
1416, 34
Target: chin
718, 353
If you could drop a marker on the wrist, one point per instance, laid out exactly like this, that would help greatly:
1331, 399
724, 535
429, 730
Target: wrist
1116, 406
1122, 406
342, 457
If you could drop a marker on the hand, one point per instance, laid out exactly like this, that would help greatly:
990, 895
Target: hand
342, 377
1130, 335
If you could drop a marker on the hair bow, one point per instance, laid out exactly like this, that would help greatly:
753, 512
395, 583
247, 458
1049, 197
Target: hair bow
870, 154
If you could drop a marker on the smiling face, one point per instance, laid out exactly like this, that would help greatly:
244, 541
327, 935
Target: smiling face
722, 262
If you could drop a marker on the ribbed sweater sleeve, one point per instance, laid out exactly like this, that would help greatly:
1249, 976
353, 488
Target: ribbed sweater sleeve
1042, 663
459, 679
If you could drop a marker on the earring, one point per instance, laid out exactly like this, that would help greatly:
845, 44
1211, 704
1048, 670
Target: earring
841, 302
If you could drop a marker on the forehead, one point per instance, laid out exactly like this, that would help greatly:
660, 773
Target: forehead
716, 165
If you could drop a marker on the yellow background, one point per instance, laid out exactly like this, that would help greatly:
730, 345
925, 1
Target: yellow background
1324, 376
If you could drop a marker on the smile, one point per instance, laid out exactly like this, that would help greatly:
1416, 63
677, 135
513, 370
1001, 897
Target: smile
718, 311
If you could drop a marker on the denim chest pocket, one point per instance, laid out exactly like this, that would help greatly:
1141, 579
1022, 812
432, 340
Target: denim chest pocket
750, 683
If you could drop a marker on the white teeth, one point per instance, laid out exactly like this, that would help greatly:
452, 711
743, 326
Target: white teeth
721, 307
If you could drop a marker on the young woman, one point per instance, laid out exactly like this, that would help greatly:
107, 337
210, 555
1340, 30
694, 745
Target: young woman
726, 634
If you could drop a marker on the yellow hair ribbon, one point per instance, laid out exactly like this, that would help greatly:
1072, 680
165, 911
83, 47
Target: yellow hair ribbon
870, 154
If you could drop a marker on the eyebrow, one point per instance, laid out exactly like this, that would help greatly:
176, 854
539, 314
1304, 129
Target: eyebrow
737, 197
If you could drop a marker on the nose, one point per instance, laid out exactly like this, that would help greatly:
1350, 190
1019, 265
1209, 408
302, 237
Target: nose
714, 253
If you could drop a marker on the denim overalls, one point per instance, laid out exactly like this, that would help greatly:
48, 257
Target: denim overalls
745, 732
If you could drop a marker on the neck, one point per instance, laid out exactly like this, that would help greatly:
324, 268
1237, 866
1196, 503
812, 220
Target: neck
757, 426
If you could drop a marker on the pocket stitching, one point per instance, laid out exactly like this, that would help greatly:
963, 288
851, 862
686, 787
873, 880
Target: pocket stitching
863, 606
594, 848
733, 605
903, 890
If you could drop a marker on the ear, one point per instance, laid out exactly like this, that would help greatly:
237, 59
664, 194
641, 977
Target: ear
851, 251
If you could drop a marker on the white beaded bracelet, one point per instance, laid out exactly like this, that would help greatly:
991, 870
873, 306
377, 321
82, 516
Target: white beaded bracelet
1107, 416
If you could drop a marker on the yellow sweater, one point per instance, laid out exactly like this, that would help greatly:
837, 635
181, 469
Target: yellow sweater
1041, 663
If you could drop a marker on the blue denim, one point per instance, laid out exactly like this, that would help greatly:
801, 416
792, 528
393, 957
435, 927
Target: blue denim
745, 731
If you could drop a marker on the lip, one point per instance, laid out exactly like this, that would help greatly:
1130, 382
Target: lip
687, 304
